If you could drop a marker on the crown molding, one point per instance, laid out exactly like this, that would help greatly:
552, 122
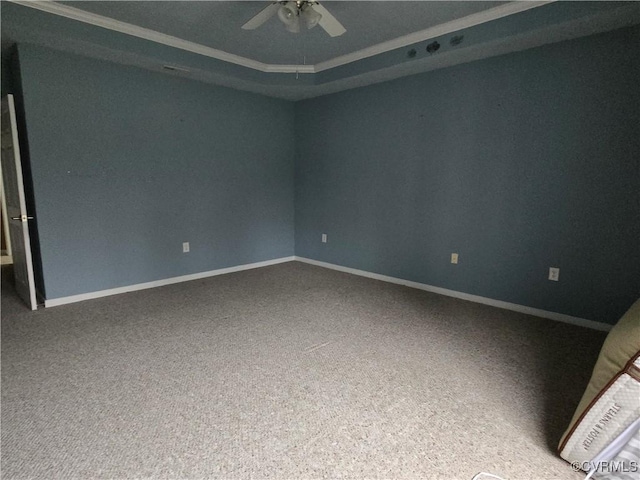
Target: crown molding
77, 14
289, 69
157, 37
472, 20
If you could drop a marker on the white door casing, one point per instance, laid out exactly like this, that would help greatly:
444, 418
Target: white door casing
5, 219
16, 205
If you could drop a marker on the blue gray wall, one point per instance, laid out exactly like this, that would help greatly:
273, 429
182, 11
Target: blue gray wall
517, 163
128, 164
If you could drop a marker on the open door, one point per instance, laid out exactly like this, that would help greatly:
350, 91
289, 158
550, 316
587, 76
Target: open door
16, 205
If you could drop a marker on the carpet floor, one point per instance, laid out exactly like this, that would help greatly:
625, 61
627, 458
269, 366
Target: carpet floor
286, 372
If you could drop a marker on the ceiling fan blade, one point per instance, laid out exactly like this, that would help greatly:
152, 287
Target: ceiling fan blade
262, 17
330, 24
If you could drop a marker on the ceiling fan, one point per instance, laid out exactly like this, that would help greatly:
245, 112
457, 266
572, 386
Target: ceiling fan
296, 13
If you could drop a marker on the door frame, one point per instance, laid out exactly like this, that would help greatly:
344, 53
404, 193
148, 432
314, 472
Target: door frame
29, 294
5, 218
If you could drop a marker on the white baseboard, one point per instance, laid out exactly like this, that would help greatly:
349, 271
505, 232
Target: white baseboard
159, 283
582, 322
605, 327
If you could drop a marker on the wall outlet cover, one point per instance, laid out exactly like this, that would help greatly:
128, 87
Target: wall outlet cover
185, 247
554, 274
454, 258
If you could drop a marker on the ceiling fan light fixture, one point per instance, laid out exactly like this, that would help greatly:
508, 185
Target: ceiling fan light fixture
288, 12
310, 17
289, 15
293, 14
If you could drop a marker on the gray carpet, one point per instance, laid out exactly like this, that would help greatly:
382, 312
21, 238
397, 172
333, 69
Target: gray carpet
286, 372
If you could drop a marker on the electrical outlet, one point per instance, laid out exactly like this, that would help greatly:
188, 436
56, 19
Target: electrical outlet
324, 238
185, 247
454, 258
554, 274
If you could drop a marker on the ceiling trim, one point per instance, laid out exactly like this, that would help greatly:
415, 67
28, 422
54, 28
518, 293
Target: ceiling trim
472, 20
157, 37
77, 14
